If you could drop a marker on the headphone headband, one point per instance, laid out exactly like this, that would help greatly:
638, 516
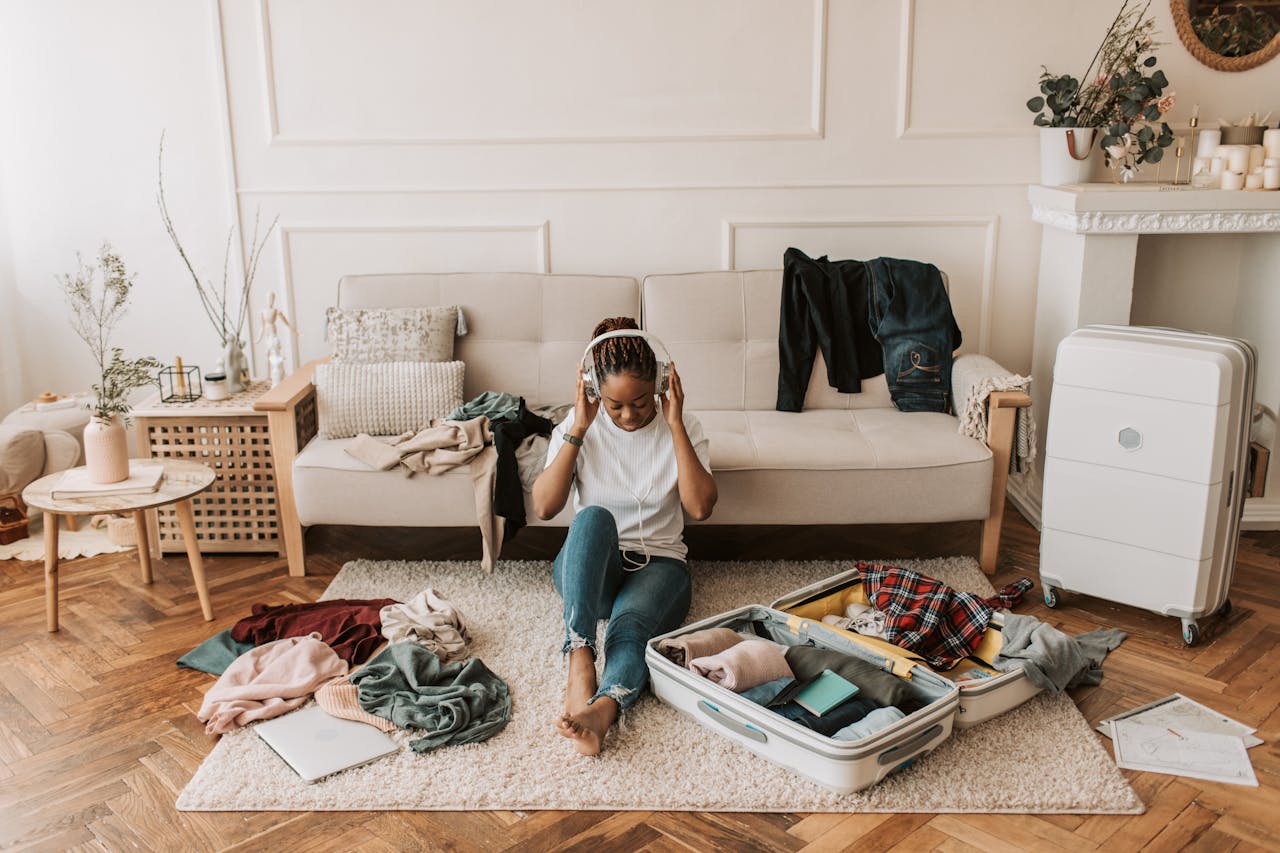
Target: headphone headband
626, 333
588, 362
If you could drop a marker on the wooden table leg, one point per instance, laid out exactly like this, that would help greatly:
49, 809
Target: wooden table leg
51, 571
187, 521
144, 548
73, 523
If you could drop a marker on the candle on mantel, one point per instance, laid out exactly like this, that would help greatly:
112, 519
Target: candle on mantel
1233, 180
1253, 181
1271, 178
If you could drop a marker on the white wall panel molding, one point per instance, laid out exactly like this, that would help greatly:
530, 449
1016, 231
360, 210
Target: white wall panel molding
986, 229
958, 183
309, 278
906, 82
805, 105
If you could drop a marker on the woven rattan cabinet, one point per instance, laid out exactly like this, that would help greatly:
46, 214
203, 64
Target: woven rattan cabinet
239, 511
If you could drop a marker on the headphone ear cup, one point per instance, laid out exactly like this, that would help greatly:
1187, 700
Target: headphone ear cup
664, 377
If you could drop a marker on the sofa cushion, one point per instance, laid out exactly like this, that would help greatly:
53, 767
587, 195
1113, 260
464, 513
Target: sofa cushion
332, 487
21, 457
392, 334
388, 398
721, 329
845, 467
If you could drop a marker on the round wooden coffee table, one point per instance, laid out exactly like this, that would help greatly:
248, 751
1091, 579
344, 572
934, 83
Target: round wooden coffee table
181, 481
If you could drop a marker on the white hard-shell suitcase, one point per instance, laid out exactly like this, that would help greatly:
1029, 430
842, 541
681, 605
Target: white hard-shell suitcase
989, 694
1147, 446
843, 766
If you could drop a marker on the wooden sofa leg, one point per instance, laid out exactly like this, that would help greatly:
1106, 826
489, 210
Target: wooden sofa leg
1000, 427
284, 447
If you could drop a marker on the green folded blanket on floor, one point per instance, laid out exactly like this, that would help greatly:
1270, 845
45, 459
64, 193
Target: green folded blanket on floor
460, 702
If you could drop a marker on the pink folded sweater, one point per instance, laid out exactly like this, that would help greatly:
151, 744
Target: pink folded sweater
267, 681
744, 665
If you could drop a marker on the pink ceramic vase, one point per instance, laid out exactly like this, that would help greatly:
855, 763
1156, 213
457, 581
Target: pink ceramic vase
106, 450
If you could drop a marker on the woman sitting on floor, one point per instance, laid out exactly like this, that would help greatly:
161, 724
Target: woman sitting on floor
632, 475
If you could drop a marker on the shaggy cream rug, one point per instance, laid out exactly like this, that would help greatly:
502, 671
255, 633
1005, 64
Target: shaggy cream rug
660, 760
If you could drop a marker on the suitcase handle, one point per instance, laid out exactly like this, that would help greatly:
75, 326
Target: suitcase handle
745, 729
903, 751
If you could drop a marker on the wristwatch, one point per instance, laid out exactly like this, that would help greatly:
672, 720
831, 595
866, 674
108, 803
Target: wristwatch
572, 439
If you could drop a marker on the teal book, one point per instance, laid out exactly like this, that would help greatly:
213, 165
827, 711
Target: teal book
825, 692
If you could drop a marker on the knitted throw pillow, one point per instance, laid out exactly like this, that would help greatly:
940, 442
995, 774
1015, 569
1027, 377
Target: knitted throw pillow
387, 398
394, 334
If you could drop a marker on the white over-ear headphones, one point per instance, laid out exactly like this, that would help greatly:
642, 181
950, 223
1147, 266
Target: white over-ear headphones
662, 381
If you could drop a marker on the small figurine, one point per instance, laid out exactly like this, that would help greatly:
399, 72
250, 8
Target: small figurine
275, 358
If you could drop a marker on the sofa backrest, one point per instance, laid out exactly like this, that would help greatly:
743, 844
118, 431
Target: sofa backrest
722, 331
526, 331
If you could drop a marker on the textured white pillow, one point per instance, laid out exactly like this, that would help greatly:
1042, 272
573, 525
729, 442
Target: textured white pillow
393, 334
388, 398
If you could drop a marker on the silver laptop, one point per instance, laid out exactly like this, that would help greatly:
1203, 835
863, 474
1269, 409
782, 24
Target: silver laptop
316, 744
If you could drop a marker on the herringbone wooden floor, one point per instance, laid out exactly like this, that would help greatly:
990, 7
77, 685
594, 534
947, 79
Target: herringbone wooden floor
98, 732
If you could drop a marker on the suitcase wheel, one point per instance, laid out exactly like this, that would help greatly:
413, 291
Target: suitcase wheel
1050, 597
1190, 632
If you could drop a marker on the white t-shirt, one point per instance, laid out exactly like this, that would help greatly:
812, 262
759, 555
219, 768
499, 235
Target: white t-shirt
634, 476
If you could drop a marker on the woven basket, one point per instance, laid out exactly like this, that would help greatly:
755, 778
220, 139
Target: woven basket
122, 531
13, 521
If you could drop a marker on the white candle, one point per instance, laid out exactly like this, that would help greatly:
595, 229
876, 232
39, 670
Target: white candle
1256, 155
1233, 180
1217, 165
1271, 161
1237, 158
1201, 165
1253, 182
1271, 141
1208, 142
1222, 150
1271, 178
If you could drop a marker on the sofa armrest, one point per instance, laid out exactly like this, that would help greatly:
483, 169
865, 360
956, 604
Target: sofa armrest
971, 372
290, 408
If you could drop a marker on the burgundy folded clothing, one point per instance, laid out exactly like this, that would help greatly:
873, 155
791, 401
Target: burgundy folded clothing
351, 627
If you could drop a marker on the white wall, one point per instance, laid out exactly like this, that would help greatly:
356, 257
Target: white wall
610, 137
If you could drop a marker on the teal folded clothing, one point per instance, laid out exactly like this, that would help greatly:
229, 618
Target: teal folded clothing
215, 654
460, 702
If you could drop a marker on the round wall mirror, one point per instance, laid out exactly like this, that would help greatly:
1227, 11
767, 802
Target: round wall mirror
1228, 36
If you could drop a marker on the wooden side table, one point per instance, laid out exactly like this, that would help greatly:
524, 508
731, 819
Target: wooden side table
182, 481
239, 512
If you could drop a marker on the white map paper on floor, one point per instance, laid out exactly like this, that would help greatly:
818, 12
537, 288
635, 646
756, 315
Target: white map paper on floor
1200, 755
1181, 714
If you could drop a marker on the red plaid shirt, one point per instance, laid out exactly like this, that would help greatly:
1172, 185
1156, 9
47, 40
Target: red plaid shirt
930, 618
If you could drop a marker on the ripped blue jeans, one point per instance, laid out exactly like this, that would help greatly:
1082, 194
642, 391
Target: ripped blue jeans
591, 579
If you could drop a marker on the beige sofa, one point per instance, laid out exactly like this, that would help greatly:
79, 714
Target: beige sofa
846, 459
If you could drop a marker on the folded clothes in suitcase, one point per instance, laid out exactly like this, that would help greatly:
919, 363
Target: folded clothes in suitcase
985, 692
841, 765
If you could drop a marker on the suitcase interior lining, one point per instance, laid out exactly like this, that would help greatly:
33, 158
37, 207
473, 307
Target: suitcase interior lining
832, 602
776, 628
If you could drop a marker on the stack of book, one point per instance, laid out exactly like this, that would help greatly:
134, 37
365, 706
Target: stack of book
144, 477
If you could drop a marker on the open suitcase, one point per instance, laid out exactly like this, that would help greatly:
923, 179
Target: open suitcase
843, 766
984, 691
1147, 445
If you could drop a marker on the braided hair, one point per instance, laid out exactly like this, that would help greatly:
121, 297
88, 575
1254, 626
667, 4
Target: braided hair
623, 355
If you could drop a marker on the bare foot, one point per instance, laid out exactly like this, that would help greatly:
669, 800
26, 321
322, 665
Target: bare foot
587, 728
582, 680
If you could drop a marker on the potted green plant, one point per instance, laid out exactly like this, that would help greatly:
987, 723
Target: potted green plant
96, 308
1120, 106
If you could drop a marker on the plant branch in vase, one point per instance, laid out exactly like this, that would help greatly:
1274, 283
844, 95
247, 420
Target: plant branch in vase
227, 314
1123, 94
96, 309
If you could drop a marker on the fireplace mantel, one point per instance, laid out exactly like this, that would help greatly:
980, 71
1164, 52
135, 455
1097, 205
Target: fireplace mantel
1088, 257
1135, 209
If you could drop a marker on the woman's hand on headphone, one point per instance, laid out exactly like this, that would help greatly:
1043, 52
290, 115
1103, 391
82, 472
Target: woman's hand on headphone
673, 400
584, 408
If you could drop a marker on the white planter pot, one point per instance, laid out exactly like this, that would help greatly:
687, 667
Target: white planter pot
1067, 154
106, 450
